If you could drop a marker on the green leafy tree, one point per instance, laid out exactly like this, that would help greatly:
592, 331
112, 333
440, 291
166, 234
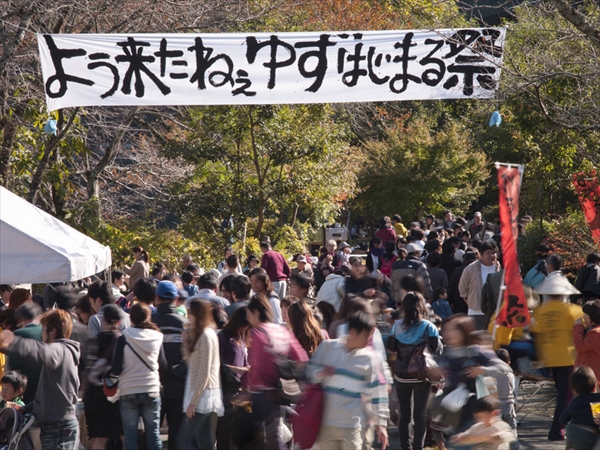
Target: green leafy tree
267, 161
418, 167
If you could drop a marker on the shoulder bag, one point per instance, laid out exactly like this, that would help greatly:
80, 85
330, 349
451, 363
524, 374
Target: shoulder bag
422, 365
111, 382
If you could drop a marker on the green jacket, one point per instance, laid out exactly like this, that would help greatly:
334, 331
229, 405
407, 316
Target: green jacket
30, 331
17, 400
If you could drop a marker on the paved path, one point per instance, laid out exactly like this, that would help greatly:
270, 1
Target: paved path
535, 416
533, 434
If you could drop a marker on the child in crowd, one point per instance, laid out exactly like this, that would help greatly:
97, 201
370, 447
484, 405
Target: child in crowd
505, 384
189, 283
489, 431
13, 386
440, 303
354, 393
577, 418
437, 321
180, 307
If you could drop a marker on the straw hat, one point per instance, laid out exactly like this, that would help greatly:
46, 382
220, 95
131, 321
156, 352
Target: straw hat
556, 285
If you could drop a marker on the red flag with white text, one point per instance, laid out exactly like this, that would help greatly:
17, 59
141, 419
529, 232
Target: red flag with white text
513, 312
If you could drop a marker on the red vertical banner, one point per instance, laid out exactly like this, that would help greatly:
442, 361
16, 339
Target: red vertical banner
589, 197
513, 312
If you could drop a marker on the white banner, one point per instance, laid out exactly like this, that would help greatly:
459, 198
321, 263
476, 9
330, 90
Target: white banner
261, 68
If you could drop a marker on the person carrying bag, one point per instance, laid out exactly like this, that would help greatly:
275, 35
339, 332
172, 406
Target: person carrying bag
414, 339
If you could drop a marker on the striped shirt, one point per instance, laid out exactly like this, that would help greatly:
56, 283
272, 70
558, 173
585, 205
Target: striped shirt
356, 395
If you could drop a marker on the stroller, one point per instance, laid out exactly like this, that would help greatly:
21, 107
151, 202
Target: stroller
14, 430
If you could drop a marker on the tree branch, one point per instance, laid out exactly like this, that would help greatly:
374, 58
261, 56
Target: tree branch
578, 20
553, 121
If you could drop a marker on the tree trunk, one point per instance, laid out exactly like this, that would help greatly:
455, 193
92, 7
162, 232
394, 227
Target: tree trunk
261, 215
578, 20
57, 191
295, 215
10, 132
92, 175
262, 203
421, 208
36, 180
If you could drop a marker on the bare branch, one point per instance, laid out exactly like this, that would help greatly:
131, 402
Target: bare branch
578, 20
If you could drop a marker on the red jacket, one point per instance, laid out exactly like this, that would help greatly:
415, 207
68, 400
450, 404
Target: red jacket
588, 348
276, 266
386, 234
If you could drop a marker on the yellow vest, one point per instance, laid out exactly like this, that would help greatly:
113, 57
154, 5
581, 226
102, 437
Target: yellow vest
553, 330
504, 335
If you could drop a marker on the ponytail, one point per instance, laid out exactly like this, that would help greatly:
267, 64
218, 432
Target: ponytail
144, 253
140, 315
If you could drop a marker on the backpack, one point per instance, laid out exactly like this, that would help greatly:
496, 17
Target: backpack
14, 430
535, 275
386, 265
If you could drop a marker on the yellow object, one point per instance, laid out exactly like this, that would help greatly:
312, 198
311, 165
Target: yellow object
400, 229
504, 335
595, 410
553, 330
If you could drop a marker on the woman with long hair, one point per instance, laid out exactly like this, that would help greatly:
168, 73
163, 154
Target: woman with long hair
103, 417
18, 297
138, 355
270, 343
413, 394
203, 401
261, 284
305, 327
233, 351
141, 267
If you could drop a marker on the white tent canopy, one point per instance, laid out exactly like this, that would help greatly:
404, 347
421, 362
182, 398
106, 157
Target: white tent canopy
38, 248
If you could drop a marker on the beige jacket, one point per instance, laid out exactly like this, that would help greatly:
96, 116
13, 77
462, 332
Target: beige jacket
470, 285
139, 270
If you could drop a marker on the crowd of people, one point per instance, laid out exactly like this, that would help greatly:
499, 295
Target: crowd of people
401, 335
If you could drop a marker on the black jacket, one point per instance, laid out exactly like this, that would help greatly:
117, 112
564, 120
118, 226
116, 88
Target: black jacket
172, 325
449, 264
410, 266
588, 280
456, 301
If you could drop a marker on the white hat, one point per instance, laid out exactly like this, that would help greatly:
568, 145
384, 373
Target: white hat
458, 254
412, 247
556, 285
343, 245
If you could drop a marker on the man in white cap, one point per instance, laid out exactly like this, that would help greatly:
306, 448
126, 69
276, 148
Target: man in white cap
553, 331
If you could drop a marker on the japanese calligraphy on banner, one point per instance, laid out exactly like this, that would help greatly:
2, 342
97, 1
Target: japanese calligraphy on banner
514, 311
216, 69
588, 190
